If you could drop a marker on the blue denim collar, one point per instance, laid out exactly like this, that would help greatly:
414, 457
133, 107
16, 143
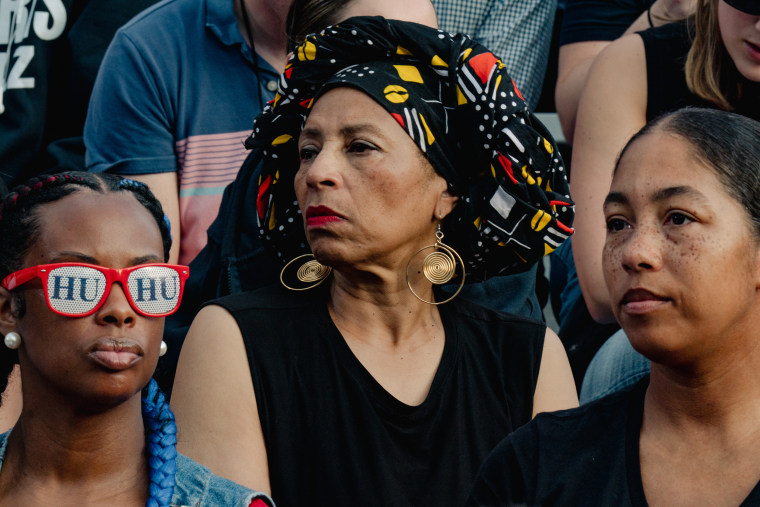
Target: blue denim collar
194, 484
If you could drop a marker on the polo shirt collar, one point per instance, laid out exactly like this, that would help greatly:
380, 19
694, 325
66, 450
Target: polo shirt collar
221, 20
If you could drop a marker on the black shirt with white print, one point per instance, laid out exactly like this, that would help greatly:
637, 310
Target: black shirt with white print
50, 51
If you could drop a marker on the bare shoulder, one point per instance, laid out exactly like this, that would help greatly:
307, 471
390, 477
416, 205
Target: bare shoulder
574, 53
625, 50
215, 403
617, 78
555, 389
613, 103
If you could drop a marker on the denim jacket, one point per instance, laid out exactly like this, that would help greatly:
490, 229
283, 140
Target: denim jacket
195, 485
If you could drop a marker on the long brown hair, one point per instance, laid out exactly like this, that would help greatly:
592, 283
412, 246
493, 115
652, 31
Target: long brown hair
710, 71
309, 16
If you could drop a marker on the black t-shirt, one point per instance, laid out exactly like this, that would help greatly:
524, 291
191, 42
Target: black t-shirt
590, 20
584, 456
332, 431
50, 68
666, 49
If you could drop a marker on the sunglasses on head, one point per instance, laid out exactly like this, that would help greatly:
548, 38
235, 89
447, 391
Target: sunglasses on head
746, 6
75, 289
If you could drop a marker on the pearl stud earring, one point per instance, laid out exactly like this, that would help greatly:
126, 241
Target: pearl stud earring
12, 340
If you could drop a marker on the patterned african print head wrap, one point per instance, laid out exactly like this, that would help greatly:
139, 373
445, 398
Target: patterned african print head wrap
458, 104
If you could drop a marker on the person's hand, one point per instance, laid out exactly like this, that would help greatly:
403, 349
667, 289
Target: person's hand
668, 11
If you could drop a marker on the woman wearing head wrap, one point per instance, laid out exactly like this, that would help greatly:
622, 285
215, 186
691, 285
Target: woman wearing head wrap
400, 157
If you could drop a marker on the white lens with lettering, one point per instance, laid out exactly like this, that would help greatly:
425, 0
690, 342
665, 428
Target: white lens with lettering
75, 290
154, 290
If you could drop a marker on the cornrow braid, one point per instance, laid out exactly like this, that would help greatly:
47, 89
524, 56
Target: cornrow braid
19, 225
161, 441
145, 197
18, 230
18, 222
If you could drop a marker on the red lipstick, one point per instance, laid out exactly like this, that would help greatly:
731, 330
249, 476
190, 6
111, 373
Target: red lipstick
319, 216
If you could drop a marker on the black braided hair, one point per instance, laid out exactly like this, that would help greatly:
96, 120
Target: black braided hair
19, 225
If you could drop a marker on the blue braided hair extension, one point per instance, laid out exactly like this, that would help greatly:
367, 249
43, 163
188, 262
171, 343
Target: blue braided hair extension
161, 441
128, 184
168, 225
134, 185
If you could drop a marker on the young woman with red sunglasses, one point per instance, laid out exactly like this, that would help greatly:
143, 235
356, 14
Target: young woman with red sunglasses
83, 295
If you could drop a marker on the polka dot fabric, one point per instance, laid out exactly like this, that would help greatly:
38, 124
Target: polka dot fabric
456, 101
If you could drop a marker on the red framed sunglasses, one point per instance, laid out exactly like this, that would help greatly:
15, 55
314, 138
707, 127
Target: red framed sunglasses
74, 289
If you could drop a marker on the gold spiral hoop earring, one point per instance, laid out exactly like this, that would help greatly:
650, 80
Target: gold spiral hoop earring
308, 272
438, 267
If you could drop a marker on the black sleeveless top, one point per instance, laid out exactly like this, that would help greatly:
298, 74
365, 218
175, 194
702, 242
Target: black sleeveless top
334, 435
666, 49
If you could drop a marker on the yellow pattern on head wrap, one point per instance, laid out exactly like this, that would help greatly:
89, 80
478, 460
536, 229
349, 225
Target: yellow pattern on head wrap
430, 136
284, 138
272, 221
437, 61
461, 99
528, 178
409, 73
307, 51
540, 220
395, 94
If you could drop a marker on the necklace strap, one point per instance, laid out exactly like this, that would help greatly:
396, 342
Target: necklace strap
254, 55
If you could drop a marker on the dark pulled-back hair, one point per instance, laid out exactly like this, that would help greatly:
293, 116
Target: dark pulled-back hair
19, 225
725, 142
309, 16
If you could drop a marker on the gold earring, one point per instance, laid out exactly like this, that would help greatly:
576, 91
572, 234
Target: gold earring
309, 271
438, 267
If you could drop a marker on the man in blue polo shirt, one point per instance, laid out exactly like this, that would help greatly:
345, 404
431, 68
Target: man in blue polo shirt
175, 98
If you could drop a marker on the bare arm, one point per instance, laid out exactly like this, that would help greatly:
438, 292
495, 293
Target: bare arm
555, 388
215, 404
575, 59
612, 109
574, 63
166, 189
10, 410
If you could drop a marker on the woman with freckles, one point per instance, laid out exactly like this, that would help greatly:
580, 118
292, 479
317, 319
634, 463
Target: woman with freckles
84, 290
682, 265
397, 158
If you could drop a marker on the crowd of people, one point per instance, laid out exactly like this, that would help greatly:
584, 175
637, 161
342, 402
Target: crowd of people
311, 232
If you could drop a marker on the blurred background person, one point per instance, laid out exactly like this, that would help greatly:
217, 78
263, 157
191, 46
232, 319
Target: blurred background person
49, 55
185, 97
588, 26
